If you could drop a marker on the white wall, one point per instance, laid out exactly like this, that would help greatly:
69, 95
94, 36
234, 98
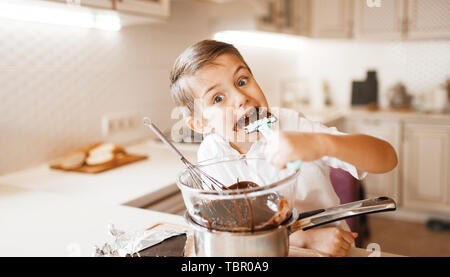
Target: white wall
421, 65
270, 67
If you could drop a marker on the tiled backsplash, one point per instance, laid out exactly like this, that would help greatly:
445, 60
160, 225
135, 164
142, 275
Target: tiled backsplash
56, 83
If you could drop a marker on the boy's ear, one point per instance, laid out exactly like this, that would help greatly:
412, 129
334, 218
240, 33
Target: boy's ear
198, 125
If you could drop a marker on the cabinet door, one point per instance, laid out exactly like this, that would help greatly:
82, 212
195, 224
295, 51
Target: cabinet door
98, 3
428, 19
379, 184
302, 17
384, 22
106, 4
332, 19
285, 16
426, 167
148, 7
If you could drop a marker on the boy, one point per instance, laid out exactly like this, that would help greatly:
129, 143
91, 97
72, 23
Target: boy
214, 82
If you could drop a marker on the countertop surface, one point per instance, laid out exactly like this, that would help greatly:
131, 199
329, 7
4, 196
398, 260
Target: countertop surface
331, 114
54, 213
47, 224
127, 184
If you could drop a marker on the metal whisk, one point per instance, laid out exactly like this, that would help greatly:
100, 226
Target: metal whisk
200, 179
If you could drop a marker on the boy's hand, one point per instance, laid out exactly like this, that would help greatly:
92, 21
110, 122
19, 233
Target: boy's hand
330, 240
284, 147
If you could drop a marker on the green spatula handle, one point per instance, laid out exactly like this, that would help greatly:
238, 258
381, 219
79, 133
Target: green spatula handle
267, 132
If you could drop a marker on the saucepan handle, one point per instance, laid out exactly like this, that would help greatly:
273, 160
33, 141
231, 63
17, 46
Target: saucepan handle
320, 217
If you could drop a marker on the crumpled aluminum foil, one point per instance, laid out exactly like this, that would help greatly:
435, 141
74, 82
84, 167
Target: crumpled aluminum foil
130, 243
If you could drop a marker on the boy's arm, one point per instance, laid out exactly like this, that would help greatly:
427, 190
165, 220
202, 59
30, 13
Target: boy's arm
365, 152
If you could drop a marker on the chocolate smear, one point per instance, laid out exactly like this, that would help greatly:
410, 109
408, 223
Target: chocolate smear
242, 214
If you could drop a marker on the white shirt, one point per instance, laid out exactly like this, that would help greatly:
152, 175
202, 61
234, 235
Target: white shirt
314, 188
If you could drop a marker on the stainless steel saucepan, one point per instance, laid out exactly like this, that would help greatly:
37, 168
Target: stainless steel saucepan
255, 214
274, 242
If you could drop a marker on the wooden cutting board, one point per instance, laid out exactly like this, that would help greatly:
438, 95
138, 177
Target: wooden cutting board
116, 162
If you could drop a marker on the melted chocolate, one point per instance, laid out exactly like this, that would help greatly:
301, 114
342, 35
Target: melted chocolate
171, 247
243, 185
244, 213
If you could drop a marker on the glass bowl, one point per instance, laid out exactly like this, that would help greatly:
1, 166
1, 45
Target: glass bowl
259, 207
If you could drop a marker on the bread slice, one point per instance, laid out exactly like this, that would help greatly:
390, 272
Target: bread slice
104, 153
73, 160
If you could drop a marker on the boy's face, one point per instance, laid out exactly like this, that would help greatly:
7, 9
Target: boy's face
227, 96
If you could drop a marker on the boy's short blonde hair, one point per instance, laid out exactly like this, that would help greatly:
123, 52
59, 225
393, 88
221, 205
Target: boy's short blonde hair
192, 59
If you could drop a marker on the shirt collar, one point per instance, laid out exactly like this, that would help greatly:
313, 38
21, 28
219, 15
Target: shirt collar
255, 149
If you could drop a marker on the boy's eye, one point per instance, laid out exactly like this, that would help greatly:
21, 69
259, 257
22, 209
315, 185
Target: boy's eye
218, 99
242, 82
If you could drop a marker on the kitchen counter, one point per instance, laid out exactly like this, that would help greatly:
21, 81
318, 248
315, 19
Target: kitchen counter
48, 212
49, 224
135, 184
328, 115
406, 116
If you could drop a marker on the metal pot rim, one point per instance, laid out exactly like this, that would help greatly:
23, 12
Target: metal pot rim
286, 224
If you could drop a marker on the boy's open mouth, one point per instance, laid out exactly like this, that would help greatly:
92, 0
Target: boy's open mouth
252, 115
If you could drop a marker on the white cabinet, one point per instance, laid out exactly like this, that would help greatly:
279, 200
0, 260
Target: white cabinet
153, 8
160, 8
407, 19
313, 18
420, 183
426, 167
105, 4
332, 19
364, 19
386, 184
383, 22
428, 19
287, 16
98, 3
302, 17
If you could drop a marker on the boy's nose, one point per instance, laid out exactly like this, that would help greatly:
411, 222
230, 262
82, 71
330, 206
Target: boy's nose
241, 99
